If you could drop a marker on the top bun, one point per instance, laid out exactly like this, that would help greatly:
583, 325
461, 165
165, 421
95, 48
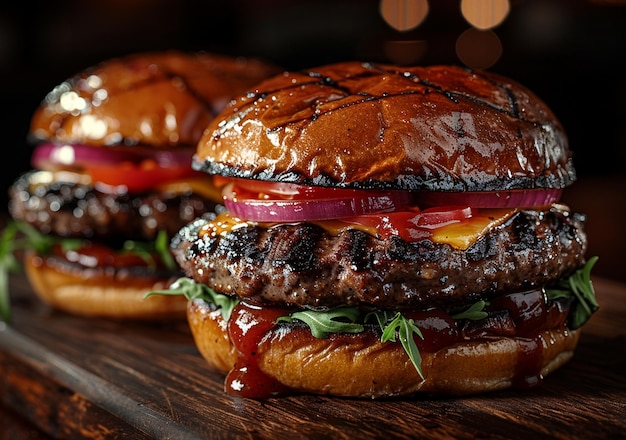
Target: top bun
364, 125
160, 99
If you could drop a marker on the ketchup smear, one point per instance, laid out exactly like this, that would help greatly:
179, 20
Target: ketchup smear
246, 327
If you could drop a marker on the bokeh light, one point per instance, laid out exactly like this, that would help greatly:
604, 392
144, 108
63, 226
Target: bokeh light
485, 14
404, 15
478, 49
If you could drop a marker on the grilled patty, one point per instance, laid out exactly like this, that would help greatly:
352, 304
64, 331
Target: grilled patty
304, 265
78, 210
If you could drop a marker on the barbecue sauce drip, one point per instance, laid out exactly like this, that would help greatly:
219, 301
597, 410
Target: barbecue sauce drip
246, 328
529, 363
530, 311
438, 329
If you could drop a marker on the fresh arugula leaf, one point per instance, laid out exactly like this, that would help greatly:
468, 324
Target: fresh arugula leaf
404, 329
146, 249
162, 246
7, 247
381, 316
579, 286
322, 323
475, 312
8, 263
192, 290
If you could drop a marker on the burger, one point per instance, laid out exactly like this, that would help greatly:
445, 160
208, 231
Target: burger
112, 178
385, 231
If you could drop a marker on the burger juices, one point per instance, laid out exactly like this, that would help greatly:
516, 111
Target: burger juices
113, 182
385, 231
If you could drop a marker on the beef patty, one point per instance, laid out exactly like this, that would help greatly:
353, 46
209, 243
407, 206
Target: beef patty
71, 209
303, 264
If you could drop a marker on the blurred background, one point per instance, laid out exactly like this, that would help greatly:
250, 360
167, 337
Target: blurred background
570, 52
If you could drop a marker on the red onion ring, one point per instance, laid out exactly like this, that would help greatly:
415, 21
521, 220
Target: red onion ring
489, 199
278, 210
49, 156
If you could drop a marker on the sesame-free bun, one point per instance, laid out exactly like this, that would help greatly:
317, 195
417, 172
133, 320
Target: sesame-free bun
352, 124
155, 99
101, 293
138, 103
359, 365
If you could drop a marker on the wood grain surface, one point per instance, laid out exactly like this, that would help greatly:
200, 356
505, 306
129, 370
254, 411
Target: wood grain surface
88, 378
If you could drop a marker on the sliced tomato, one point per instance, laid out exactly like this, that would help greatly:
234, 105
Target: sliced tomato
260, 188
412, 224
400, 223
137, 177
443, 215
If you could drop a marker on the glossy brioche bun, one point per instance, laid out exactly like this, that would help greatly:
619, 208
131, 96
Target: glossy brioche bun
156, 99
439, 128
361, 366
101, 294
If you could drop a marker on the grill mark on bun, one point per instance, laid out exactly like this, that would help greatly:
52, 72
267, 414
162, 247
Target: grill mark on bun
359, 125
324, 81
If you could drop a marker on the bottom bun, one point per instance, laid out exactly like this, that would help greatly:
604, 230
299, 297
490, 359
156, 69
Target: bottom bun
359, 365
102, 293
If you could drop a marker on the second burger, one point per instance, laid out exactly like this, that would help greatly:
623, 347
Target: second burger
113, 182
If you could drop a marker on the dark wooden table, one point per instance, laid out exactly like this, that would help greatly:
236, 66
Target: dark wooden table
87, 378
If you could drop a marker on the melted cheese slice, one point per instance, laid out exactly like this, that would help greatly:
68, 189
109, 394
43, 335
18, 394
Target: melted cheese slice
199, 185
39, 178
460, 235
463, 234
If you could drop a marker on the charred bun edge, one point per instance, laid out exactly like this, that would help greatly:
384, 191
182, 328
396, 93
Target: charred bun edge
367, 368
442, 182
363, 125
101, 296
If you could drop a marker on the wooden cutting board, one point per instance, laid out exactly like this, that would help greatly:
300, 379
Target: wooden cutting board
88, 378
